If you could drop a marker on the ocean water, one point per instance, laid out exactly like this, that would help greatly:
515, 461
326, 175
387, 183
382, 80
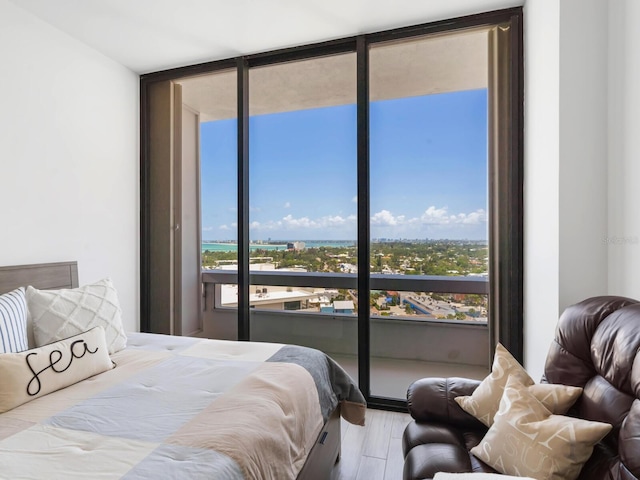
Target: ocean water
232, 247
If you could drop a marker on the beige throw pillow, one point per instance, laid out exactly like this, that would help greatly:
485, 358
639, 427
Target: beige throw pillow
476, 476
485, 400
31, 374
526, 439
58, 314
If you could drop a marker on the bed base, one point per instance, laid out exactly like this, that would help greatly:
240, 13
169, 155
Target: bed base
326, 451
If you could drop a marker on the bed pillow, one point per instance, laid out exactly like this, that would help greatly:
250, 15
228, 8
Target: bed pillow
31, 374
485, 400
58, 314
526, 439
13, 321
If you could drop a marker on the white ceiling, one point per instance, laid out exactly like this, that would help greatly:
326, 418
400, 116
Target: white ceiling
152, 35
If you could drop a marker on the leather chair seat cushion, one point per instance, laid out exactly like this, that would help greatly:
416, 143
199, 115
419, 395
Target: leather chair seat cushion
424, 461
419, 433
439, 447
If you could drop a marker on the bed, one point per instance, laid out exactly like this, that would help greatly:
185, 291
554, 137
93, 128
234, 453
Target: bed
179, 407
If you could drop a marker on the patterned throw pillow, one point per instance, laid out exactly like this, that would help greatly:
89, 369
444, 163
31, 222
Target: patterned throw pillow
31, 374
526, 439
485, 400
13, 321
58, 314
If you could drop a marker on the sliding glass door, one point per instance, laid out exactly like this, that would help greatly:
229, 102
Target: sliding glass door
361, 196
302, 213
428, 140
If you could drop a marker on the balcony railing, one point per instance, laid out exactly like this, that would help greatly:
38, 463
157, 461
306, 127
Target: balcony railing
454, 342
418, 283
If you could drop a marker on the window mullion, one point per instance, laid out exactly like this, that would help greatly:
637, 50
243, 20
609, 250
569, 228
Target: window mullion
243, 200
363, 215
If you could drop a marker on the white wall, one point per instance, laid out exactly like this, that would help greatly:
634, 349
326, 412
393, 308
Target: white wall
583, 150
541, 179
68, 156
624, 148
566, 141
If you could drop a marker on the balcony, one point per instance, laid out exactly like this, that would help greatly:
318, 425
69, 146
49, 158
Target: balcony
402, 348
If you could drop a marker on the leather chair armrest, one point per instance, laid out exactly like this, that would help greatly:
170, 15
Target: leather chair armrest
432, 400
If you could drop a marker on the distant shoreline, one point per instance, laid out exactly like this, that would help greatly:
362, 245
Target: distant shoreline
232, 247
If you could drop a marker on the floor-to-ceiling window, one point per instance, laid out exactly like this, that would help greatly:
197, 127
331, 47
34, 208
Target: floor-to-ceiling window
363, 197
428, 137
302, 182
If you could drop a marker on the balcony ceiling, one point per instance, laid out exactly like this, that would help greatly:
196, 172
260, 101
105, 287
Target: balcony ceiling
153, 35
438, 64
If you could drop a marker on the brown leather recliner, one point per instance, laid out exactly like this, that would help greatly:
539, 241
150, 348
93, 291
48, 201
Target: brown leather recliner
597, 347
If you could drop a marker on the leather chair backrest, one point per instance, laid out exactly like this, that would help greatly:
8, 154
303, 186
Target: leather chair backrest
597, 347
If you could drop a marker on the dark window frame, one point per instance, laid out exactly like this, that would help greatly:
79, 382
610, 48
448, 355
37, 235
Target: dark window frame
506, 233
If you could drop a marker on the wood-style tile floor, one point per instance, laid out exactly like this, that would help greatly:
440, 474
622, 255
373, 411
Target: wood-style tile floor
372, 452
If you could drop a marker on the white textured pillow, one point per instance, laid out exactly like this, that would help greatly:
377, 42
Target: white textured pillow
31, 374
58, 314
13, 321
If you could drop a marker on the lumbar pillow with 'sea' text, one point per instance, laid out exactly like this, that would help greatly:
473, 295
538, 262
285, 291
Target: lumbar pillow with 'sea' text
32, 374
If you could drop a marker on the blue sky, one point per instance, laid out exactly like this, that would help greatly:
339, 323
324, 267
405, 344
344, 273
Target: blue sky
428, 171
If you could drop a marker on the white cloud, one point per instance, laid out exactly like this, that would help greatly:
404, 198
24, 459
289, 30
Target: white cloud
287, 205
440, 216
431, 216
224, 227
355, 199
386, 218
290, 222
475, 218
297, 222
436, 216
207, 229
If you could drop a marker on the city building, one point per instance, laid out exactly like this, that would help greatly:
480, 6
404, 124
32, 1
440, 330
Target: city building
295, 246
343, 306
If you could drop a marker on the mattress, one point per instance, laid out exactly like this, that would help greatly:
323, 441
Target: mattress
180, 407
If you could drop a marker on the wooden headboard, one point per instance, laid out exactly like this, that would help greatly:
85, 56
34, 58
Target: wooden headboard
43, 276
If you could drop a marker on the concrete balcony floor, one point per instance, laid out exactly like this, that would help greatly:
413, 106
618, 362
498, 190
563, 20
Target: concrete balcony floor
391, 377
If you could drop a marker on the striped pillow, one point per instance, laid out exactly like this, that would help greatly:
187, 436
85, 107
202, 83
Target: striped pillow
13, 321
